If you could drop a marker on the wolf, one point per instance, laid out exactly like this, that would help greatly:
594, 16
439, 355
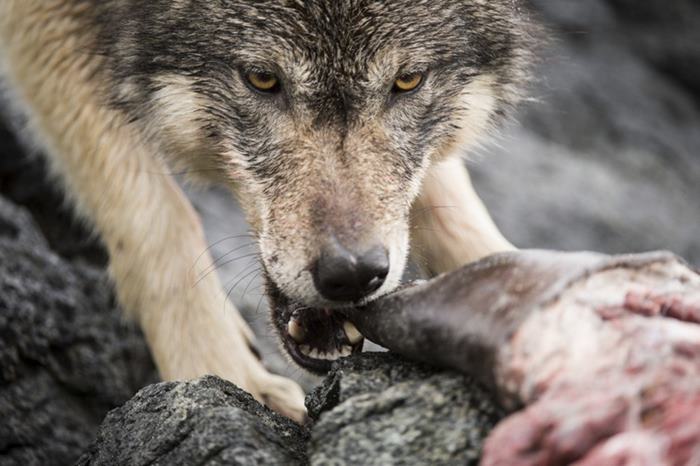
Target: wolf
338, 124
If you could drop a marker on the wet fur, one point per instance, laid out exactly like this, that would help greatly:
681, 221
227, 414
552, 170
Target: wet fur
120, 92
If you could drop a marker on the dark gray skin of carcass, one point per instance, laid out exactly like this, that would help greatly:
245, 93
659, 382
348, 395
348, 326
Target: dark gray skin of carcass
461, 319
602, 352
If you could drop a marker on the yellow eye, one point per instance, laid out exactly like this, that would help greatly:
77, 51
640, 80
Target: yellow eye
408, 82
263, 81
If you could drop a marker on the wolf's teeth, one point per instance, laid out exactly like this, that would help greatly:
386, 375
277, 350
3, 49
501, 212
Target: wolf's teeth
344, 351
337, 354
354, 335
296, 331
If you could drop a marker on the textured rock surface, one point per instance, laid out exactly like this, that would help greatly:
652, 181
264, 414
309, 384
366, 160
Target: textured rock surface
379, 410
373, 409
66, 356
207, 421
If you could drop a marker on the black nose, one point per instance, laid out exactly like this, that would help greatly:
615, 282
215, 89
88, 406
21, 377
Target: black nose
341, 275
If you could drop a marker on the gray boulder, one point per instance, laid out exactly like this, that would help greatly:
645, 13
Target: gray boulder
377, 409
66, 355
372, 409
207, 421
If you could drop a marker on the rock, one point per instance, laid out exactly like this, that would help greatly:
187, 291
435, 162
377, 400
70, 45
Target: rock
377, 409
206, 421
372, 409
24, 181
66, 355
606, 157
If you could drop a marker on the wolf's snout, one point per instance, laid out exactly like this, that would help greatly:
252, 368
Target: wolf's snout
344, 275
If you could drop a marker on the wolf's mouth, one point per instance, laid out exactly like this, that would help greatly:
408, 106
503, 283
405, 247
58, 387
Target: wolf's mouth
313, 337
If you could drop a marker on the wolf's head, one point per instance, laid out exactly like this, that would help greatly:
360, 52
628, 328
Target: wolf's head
324, 116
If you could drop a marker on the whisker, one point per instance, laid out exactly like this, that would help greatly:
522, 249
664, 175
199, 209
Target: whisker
252, 254
216, 263
435, 207
216, 243
257, 274
228, 294
257, 308
245, 269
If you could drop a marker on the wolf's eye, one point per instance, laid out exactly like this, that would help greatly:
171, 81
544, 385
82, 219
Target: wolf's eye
263, 81
408, 82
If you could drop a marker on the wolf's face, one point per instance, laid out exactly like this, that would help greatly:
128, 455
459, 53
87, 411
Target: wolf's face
324, 115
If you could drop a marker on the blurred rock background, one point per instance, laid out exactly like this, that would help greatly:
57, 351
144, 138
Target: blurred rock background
607, 158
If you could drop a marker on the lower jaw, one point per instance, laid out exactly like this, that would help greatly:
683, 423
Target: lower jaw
318, 366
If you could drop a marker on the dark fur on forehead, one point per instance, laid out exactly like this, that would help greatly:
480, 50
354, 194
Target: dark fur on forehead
193, 36
333, 45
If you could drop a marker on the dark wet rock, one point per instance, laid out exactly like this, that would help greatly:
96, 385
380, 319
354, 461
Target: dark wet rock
24, 181
207, 421
377, 409
66, 355
372, 409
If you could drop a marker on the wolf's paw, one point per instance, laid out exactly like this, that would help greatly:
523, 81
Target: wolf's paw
281, 395
222, 345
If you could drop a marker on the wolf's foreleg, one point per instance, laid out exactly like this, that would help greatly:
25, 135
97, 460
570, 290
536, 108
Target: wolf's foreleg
450, 224
156, 245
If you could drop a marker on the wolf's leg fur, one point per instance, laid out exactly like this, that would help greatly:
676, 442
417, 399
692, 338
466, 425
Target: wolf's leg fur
450, 224
152, 233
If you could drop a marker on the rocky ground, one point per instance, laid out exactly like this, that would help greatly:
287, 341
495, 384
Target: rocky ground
67, 358
605, 159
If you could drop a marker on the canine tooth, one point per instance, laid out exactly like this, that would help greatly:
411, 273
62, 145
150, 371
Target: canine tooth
345, 351
305, 349
354, 335
314, 354
296, 331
